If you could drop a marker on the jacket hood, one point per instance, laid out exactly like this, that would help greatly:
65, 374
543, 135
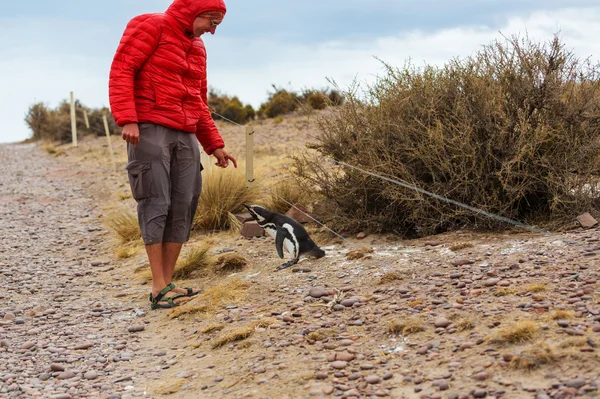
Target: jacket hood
186, 11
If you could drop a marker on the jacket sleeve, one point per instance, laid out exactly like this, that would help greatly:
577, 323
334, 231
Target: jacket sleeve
206, 131
140, 38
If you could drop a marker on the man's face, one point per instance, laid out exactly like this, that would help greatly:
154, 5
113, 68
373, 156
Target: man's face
204, 24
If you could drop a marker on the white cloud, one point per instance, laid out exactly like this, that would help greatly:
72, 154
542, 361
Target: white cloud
247, 69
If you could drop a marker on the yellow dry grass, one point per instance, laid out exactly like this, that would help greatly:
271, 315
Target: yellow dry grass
562, 315
241, 333
197, 261
533, 356
321, 334
169, 387
213, 299
223, 192
125, 224
283, 193
229, 263
462, 245
390, 278
212, 327
406, 327
519, 332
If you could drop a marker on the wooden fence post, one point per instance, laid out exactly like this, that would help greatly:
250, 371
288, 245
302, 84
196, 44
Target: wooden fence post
110, 149
85, 118
73, 121
249, 155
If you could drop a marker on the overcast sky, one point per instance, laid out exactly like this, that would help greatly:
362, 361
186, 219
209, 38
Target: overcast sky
49, 47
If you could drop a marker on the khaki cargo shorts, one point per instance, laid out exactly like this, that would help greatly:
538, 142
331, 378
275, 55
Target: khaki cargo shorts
164, 172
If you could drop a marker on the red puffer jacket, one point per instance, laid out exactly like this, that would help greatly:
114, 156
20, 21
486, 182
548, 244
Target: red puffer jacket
158, 74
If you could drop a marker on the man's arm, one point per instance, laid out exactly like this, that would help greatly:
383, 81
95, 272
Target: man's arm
140, 38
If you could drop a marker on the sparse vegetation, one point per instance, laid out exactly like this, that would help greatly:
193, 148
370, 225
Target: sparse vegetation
533, 356
562, 315
195, 261
125, 224
390, 277
406, 327
321, 334
213, 298
511, 130
212, 328
54, 125
520, 332
230, 263
223, 192
288, 190
230, 107
461, 245
240, 333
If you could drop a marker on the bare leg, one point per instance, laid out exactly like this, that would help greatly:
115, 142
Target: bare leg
170, 254
155, 257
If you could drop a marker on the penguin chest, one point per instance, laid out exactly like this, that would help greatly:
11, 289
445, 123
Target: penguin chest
291, 247
271, 230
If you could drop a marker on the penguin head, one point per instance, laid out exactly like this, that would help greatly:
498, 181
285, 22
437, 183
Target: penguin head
257, 212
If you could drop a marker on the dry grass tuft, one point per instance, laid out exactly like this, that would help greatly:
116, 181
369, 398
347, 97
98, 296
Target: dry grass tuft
575, 342
241, 333
122, 196
212, 327
223, 192
126, 252
230, 262
213, 299
533, 357
459, 246
197, 260
462, 322
390, 278
406, 327
321, 334
505, 292
125, 224
170, 387
353, 255
535, 288
562, 315
51, 149
521, 331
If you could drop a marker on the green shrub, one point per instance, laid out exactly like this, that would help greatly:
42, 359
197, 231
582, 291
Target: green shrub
317, 100
512, 130
230, 107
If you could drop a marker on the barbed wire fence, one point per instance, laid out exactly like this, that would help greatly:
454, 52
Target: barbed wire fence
250, 133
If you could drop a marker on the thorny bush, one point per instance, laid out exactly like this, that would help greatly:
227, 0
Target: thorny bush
512, 130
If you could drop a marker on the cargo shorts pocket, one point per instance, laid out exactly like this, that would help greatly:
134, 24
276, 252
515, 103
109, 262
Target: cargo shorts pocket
140, 179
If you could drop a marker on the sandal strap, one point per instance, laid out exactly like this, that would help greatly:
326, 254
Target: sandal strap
163, 292
170, 299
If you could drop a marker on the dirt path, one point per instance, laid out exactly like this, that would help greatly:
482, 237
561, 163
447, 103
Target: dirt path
63, 327
459, 315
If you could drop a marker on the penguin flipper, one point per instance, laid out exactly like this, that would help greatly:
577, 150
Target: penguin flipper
281, 233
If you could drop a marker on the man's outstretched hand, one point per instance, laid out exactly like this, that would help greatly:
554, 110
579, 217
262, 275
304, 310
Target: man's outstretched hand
223, 158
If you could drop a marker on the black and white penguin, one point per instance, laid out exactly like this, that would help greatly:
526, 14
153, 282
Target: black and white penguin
288, 234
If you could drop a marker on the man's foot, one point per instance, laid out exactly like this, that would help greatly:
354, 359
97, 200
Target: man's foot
188, 292
166, 298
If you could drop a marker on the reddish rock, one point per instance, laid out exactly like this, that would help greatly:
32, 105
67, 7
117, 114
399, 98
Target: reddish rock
251, 229
587, 221
243, 217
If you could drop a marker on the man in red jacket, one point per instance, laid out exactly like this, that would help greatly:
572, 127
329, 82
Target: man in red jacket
158, 94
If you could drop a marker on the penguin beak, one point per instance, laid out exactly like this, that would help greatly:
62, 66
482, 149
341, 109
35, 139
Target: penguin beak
246, 206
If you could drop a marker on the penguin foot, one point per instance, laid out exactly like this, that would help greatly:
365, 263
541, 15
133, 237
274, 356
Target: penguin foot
287, 264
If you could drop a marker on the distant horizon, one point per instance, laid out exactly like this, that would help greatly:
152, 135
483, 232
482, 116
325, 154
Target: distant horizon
51, 48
